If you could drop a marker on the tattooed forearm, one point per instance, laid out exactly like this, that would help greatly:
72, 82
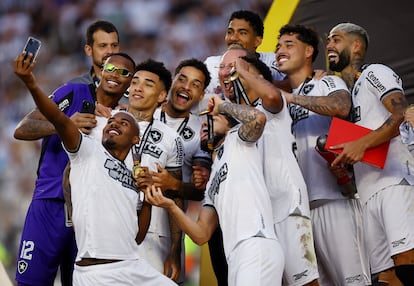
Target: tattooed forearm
252, 119
337, 104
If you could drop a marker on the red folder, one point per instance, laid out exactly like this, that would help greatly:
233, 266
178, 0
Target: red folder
342, 131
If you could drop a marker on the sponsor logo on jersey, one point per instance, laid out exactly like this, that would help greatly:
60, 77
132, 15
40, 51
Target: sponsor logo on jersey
219, 177
120, 173
375, 82
399, 242
353, 279
298, 113
187, 134
180, 151
152, 150
64, 104
330, 82
299, 276
22, 266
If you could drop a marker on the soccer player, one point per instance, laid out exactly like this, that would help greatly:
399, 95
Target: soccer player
283, 177
336, 219
43, 252
387, 195
108, 213
236, 197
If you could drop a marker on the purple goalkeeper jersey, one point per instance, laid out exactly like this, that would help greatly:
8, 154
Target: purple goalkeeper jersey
53, 158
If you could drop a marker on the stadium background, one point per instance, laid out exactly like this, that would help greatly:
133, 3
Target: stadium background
169, 31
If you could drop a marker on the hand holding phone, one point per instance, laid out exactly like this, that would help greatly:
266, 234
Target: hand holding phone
32, 47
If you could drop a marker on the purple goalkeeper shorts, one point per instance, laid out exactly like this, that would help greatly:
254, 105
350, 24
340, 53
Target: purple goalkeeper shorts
47, 243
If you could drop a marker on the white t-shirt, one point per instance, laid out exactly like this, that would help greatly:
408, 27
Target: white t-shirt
283, 177
105, 202
376, 82
307, 127
237, 191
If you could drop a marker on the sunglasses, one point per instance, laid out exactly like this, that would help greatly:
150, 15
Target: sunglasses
120, 71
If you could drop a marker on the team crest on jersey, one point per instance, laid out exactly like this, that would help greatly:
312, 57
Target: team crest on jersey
355, 91
121, 173
187, 134
307, 88
355, 114
220, 151
156, 135
22, 266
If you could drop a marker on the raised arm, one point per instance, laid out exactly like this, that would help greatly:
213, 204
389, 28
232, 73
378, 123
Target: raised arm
66, 129
253, 120
258, 87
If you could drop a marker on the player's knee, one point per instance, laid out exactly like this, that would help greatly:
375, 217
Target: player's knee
405, 273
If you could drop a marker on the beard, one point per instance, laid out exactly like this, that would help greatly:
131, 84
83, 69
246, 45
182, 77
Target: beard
108, 143
204, 142
343, 62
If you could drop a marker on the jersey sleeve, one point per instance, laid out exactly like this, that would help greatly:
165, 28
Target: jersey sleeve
382, 80
330, 84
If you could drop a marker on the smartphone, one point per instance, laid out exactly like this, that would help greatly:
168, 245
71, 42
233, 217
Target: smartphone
87, 107
32, 47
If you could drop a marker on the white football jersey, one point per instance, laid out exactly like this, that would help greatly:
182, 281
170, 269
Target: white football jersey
282, 174
307, 126
189, 130
163, 146
237, 191
374, 84
104, 191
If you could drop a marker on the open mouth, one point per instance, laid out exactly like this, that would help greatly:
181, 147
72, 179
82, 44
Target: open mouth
332, 56
182, 97
114, 132
112, 83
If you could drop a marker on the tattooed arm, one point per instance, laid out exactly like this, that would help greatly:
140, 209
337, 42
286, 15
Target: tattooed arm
354, 150
253, 120
336, 104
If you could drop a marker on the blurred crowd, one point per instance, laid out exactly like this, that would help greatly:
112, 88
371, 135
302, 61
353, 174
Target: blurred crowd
166, 30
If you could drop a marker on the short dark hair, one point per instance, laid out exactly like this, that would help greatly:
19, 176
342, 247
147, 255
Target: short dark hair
99, 25
250, 17
195, 63
305, 34
125, 56
157, 68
